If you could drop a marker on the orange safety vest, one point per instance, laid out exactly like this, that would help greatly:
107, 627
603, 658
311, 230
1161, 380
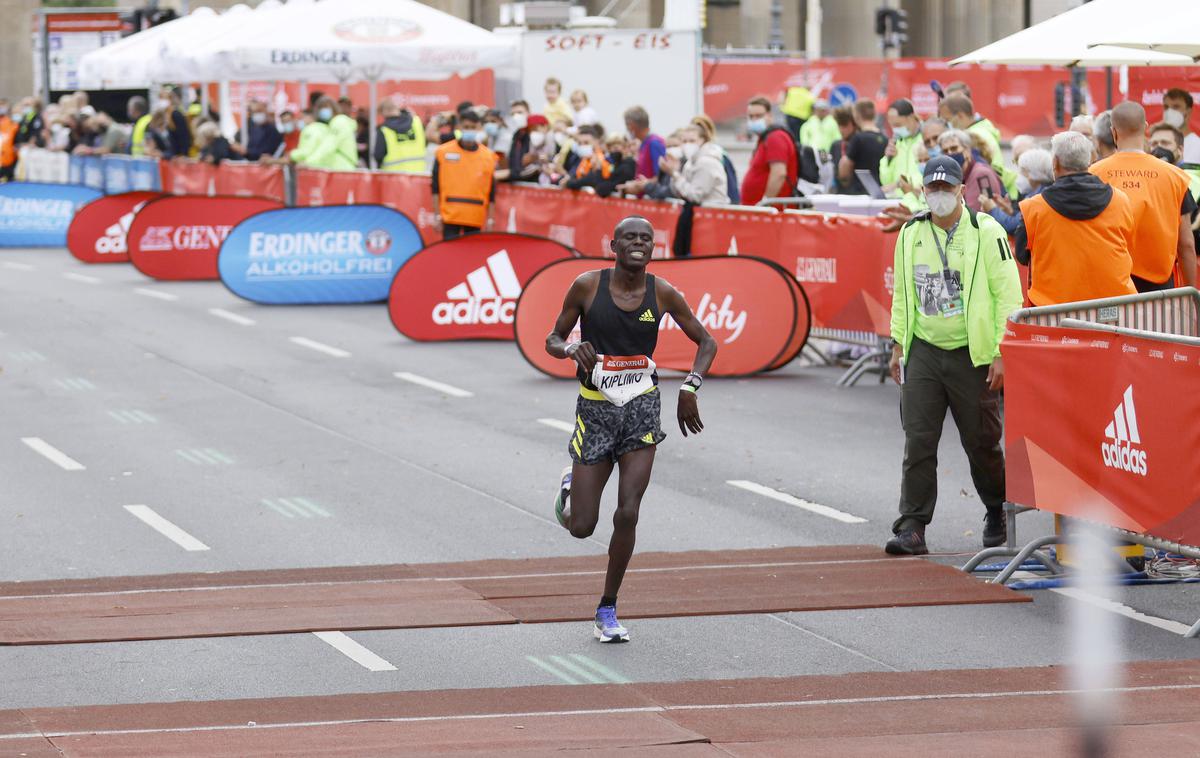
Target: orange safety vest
1072, 260
464, 183
591, 163
8, 134
1156, 190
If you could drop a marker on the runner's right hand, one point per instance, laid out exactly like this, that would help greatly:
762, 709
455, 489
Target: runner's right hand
585, 357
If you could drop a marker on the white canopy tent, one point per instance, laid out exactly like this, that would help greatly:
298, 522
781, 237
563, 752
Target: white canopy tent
127, 63
1069, 38
1163, 26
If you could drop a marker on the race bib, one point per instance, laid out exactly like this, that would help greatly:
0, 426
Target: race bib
621, 378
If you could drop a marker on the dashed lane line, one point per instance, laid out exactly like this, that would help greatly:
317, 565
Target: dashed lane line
792, 500
445, 389
46, 450
164, 527
554, 423
132, 416
156, 294
204, 456
291, 507
75, 384
232, 317
14, 266
83, 278
27, 356
320, 347
354, 651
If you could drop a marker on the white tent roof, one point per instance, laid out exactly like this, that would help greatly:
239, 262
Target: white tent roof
1164, 26
126, 63
349, 40
1065, 40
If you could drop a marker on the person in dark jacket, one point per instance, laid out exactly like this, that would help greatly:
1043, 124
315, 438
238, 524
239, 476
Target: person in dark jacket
213, 147
177, 124
604, 179
405, 125
31, 129
265, 139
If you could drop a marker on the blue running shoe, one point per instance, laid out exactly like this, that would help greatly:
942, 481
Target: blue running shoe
608, 629
562, 510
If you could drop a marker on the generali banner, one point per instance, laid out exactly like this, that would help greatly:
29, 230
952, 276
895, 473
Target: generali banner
467, 288
33, 214
843, 262
1107, 439
178, 238
98, 232
747, 304
297, 256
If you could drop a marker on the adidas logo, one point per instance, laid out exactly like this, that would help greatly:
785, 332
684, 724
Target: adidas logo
113, 241
488, 296
649, 438
648, 316
918, 244
1121, 452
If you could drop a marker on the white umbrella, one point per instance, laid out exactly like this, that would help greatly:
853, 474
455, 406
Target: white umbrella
1068, 38
1163, 26
129, 63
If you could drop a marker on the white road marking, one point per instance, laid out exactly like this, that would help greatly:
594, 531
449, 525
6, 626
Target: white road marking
166, 528
1123, 610
81, 278
45, 449
783, 497
1182, 688
27, 356
320, 347
296, 506
157, 294
552, 670
600, 668
577, 670
204, 456
75, 383
445, 389
133, 417
354, 651
230, 316
554, 423
18, 266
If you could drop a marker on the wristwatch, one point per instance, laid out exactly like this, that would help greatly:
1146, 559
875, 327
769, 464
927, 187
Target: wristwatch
691, 382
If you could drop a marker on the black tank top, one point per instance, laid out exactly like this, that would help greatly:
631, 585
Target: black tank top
613, 331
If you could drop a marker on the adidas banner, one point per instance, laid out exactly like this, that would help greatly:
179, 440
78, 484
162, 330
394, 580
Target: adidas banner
1096, 427
338, 254
98, 232
179, 238
467, 288
754, 309
38, 215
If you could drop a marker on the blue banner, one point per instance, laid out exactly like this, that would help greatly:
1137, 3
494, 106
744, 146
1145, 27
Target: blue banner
143, 175
93, 172
37, 215
116, 174
331, 254
75, 169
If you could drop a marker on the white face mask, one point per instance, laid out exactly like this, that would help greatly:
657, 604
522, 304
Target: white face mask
1173, 118
519, 120
941, 203
537, 139
690, 149
1023, 185
162, 104
259, 118
675, 152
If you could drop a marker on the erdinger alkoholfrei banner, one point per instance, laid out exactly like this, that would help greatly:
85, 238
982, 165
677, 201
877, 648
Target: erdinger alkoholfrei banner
758, 317
1097, 426
179, 237
38, 215
333, 254
99, 230
467, 288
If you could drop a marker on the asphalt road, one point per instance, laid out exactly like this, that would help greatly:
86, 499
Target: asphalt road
281, 437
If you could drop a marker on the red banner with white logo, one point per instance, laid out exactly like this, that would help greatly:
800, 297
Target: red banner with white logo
748, 305
316, 186
97, 233
251, 180
467, 288
412, 195
179, 238
188, 177
843, 262
1107, 439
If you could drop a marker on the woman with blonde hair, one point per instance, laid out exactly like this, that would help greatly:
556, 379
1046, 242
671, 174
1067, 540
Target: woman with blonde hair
708, 133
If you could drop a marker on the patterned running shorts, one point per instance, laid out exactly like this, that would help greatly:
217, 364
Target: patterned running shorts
605, 432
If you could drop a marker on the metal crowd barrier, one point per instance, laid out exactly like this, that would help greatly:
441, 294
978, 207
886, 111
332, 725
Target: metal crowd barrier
1171, 316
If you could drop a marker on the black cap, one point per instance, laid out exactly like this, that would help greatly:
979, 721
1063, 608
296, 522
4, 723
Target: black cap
943, 169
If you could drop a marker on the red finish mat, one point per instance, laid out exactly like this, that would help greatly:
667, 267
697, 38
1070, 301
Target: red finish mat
934, 713
464, 594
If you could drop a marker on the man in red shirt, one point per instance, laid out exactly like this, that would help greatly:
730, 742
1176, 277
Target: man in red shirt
774, 166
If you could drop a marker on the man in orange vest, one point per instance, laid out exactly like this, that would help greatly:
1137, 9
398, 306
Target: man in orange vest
8, 135
1161, 202
1077, 234
464, 181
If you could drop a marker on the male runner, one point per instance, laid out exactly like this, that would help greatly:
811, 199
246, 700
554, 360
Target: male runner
617, 422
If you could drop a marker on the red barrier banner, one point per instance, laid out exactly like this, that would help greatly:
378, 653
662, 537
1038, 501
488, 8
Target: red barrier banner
1114, 448
251, 180
412, 195
98, 231
747, 304
179, 238
315, 186
580, 219
187, 177
467, 288
843, 262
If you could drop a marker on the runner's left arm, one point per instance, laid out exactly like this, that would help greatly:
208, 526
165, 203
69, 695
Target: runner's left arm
672, 302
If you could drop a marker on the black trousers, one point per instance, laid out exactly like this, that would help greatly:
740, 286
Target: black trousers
935, 380
1145, 285
454, 231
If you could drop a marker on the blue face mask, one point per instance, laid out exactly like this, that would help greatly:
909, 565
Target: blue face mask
325, 114
935, 151
469, 135
492, 129
901, 132
958, 158
756, 125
